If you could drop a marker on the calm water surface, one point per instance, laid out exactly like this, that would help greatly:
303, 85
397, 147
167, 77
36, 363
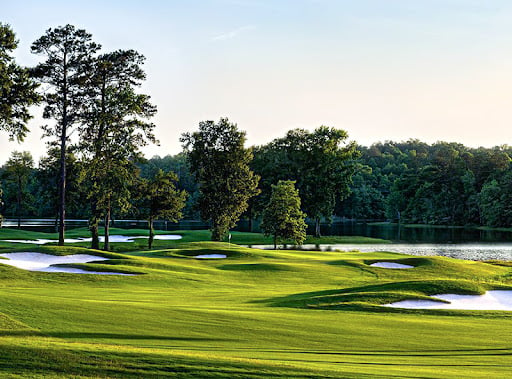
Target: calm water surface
458, 242
475, 251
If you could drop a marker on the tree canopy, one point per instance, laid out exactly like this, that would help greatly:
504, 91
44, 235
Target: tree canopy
17, 89
116, 125
220, 163
282, 217
66, 72
18, 171
320, 162
159, 198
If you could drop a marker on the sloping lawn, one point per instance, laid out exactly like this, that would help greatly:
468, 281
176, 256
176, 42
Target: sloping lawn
254, 314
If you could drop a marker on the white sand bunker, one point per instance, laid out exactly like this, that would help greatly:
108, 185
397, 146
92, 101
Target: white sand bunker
40, 241
120, 238
45, 262
112, 238
208, 256
167, 237
490, 301
390, 265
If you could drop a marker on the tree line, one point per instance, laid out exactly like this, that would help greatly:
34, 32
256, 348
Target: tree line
439, 184
95, 95
100, 174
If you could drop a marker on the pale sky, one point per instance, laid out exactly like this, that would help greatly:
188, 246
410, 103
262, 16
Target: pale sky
380, 69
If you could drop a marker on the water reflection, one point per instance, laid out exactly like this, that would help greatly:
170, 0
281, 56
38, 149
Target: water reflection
476, 252
415, 234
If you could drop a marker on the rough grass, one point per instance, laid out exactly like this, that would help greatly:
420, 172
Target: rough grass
255, 314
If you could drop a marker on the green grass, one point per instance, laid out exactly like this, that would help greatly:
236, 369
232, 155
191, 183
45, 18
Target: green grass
239, 238
256, 314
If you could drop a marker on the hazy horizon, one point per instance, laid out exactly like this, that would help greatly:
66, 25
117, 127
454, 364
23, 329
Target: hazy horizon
394, 70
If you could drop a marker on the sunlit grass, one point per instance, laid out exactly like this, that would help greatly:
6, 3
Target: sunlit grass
258, 313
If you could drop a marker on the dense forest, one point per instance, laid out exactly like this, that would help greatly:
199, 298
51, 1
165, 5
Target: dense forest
442, 183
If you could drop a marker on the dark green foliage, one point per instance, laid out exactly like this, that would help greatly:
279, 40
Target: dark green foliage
443, 183
180, 166
282, 217
220, 163
17, 89
114, 129
495, 201
159, 198
18, 171
46, 180
365, 201
317, 161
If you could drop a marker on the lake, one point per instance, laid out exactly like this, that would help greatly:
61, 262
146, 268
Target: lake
471, 251
405, 234
454, 242
416, 234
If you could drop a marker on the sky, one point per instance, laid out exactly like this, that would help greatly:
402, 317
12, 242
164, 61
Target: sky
379, 69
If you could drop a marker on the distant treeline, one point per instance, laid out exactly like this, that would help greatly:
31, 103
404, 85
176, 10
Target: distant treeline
441, 184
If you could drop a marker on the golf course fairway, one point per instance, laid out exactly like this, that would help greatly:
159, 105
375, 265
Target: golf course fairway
254, 314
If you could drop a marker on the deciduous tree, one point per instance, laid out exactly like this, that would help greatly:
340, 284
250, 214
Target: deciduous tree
159, 198
282, 217
319, 161
220, 163
17, 89
18, 170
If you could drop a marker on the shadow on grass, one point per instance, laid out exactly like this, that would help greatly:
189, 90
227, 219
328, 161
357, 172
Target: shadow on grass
371, 297
122, 336
56, 361
20, 333
255, 267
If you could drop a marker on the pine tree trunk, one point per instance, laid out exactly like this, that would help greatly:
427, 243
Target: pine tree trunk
249, 211
216, 235
62, 186
106, 244
19, 203
151, 233
317, 227
62, 174
94, 226
275, 242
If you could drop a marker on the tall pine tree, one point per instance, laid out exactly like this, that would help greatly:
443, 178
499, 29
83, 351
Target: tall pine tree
65, 72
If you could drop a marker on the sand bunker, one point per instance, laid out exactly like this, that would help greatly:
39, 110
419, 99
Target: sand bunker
208, 256
36, 242
45, 262
167, 237
498, 300
112, 238
390, 265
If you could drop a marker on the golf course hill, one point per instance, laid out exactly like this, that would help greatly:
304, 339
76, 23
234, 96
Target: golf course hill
194, 308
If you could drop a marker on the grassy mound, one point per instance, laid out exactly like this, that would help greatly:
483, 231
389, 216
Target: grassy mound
255, 314
382, 294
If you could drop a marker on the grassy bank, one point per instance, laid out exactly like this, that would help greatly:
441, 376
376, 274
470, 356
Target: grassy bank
240, 238
254, 314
